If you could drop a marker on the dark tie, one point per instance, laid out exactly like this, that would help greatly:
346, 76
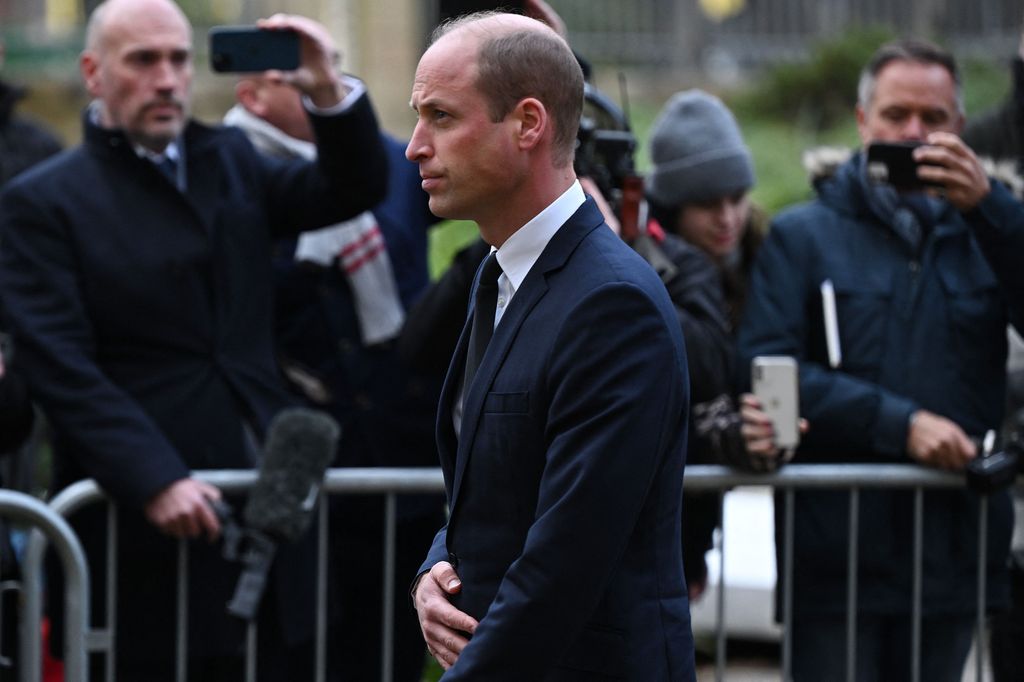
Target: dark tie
169, 167
483, 317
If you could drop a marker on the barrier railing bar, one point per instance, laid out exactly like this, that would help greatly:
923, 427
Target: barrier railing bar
388, 620
181, 627
818, 476
321, 589
113, 538
851, 586
915, 614
251, 649
979, 658
720, 602
787, 591
49, 525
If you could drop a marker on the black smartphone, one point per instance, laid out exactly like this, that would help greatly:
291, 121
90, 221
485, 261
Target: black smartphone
893, 163
243, 49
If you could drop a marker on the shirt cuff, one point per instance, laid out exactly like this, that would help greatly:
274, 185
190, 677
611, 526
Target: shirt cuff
356, 89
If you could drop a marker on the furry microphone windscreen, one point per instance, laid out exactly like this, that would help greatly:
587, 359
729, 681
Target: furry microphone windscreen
300, 447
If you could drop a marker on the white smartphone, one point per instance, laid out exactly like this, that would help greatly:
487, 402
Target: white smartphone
774, 379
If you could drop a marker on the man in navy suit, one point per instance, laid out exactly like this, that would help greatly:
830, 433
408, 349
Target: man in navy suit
563, 454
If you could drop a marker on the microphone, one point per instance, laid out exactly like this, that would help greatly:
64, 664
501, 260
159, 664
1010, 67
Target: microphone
300, 446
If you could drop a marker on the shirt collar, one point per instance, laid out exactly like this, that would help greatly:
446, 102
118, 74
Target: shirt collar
171, 152
520, 251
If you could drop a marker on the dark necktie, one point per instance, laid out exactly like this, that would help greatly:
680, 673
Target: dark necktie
169, 167
483, 317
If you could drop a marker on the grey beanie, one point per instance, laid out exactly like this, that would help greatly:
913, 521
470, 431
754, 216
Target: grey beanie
697, 152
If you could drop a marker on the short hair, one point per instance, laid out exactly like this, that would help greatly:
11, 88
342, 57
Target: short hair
516, 64
918, 51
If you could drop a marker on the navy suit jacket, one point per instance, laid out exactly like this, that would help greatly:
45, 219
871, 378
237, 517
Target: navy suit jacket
565, 487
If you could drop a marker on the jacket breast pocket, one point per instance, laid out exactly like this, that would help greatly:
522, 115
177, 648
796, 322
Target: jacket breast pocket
507, 403
976, 312
862, 312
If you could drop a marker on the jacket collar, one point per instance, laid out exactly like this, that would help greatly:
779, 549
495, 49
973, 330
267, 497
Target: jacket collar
196, 137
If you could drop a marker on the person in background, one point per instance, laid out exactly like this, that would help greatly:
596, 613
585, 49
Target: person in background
340, 297
925, 283
135, 273
698, 192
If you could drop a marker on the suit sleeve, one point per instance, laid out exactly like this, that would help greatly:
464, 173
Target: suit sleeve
350, 175
847, 414
615, 422
112, 438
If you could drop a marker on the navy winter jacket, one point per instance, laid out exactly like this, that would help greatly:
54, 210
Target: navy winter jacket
921, 326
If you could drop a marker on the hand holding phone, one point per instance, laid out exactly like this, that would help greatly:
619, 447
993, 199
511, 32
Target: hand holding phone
893, 163
775, 383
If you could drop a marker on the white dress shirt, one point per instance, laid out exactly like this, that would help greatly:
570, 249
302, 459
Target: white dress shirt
517, 257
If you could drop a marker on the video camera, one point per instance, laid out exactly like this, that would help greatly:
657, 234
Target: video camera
605, 149
993, 471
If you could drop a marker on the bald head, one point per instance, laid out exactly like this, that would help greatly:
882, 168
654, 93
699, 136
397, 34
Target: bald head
114, 16
519, 57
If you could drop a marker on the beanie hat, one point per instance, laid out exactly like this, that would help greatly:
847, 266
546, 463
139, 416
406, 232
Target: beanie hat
697, 152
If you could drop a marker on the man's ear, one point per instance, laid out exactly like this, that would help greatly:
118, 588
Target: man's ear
89, 66
247, 93
862, 129
533, 122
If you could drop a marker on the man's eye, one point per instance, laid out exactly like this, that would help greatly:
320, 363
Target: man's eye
144, 58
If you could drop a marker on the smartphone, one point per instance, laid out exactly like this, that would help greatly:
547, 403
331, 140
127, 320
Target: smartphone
244, 49
893, 163
774, 379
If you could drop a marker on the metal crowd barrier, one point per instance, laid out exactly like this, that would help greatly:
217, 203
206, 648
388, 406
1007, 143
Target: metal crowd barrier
394, 482
50, 526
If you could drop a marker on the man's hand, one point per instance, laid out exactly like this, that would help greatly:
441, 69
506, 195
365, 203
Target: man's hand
950, 162
183, 509
317, 76
938, 442
444, 626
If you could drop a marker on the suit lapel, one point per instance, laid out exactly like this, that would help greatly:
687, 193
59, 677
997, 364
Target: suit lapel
554, 256
447, 442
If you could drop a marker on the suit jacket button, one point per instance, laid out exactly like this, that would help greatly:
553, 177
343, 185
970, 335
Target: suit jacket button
453, 559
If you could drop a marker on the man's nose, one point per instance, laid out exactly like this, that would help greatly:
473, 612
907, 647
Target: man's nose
417, 147
166, 75
914, 129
